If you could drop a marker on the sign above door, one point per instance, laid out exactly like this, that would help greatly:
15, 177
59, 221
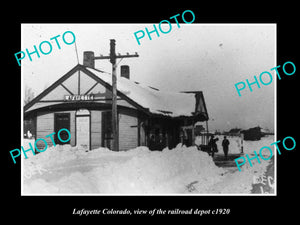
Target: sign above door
79, 97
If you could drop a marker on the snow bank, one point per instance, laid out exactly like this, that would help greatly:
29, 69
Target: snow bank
170, 171
240, 181
69, 170
137, 171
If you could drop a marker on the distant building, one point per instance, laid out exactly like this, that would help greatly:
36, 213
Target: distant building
233, 132
253, 134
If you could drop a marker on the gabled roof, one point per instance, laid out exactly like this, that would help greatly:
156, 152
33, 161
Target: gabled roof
145, 98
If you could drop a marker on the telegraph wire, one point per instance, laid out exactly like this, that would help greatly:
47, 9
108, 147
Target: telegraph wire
76, 52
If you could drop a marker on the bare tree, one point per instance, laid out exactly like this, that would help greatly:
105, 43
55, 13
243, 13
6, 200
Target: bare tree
29, 95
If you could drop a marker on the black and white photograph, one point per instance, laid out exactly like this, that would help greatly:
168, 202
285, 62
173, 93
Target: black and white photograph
166, 109
137, 110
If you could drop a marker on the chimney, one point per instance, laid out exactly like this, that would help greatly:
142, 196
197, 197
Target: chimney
125, 71
88, 59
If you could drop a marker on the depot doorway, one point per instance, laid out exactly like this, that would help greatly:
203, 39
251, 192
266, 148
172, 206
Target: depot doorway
61, 120
83, 129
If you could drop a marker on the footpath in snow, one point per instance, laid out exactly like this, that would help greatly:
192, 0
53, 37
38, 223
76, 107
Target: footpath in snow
69, 170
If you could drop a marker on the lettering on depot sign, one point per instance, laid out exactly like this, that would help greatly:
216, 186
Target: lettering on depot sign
141, 34
45, 47
37, 140
79, 97
265, 77
239, 164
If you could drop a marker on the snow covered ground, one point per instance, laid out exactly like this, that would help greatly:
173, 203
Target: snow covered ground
69, 170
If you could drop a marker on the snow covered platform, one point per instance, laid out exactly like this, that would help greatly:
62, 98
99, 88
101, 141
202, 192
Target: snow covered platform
221, 161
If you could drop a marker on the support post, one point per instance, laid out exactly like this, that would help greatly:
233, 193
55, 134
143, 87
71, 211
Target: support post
115, 120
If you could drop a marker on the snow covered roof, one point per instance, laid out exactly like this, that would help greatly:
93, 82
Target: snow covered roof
159, 102
173, 104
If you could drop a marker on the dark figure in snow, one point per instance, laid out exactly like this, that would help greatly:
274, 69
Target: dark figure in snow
161, 142
213, 145
152, 142
225, 144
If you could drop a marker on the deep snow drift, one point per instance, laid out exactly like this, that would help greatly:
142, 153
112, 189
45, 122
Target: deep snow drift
69, 170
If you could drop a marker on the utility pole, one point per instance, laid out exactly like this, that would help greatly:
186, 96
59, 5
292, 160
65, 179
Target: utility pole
115, 121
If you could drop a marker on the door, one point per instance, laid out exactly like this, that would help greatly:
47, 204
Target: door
61, 120
83, 129
107, 129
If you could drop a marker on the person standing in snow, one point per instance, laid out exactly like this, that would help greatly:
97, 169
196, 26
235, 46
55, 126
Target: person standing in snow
225, 144
213, 145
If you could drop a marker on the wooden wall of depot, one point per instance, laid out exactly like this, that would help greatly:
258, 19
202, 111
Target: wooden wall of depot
128, 129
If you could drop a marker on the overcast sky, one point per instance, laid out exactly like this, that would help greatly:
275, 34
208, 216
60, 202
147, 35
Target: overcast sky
195, 57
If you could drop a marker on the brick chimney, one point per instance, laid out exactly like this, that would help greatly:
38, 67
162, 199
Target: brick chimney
125, 71
88, 59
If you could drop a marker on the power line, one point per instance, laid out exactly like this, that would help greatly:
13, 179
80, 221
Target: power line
119, 61
76, 52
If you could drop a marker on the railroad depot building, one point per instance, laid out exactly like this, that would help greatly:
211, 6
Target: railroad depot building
81, 101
